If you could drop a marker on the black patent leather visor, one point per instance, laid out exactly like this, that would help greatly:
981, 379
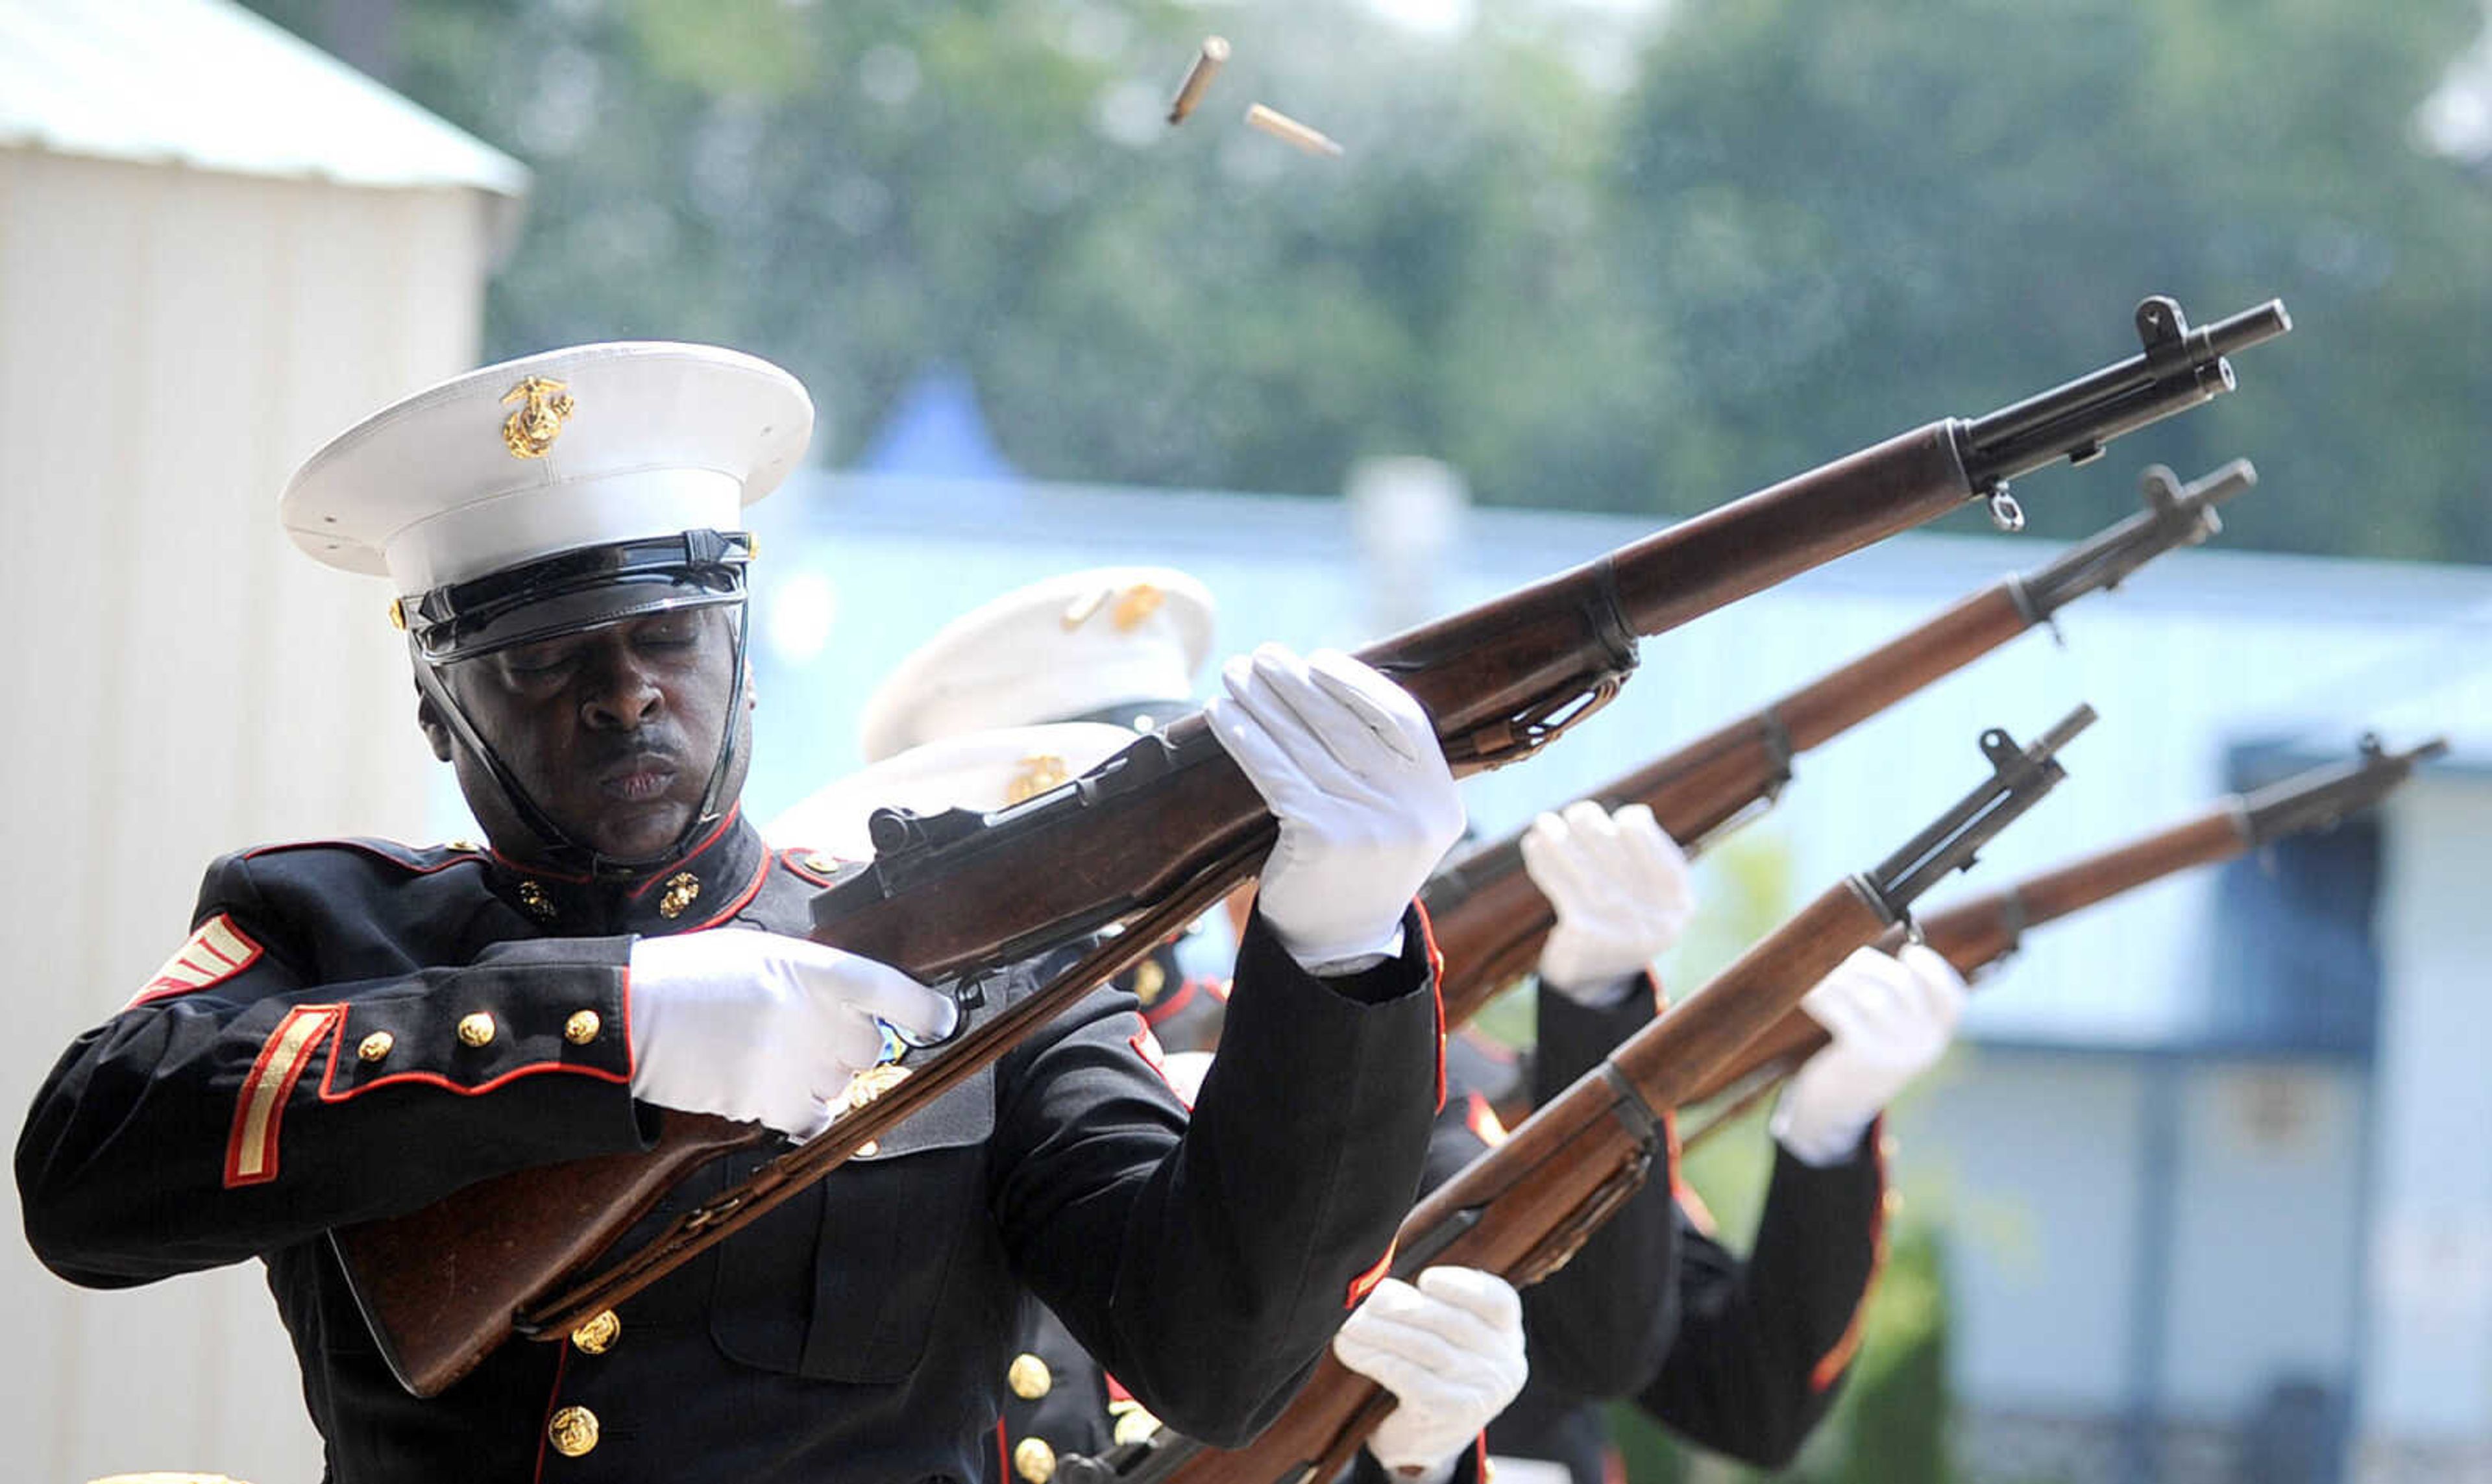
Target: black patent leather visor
576, 590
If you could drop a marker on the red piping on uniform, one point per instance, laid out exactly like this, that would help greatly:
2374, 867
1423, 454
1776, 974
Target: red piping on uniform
1152, 1015
793, 859
1436, 993
1830, 1366
509, 865
544, 1428
1146, 1045
337, 1040
1481, 1120
693, 854
751, 889
1365, 1283
1693, 1204
1003, 1464
367, 847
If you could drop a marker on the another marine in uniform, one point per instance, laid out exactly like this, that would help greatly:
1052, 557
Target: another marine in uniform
1753, 1349
1118, 646
355, 1029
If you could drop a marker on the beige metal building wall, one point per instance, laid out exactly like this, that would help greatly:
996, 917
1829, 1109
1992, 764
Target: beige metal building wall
179, 681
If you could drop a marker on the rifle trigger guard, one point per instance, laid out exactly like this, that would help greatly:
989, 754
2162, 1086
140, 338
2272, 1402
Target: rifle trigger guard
1517, 737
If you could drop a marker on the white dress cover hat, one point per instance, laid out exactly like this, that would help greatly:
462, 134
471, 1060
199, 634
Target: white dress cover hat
1069, 648
573, 447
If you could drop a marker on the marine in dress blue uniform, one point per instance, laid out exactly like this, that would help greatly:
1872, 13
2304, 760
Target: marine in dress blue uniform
354, 1028
1039, 684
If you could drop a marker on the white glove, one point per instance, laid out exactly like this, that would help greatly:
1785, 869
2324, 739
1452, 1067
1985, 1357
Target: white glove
764, 1027
1350, 766
1450, 1351
1890, 1020
1621, 887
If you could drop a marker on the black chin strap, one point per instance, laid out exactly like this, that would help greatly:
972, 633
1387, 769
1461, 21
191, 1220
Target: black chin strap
560, 850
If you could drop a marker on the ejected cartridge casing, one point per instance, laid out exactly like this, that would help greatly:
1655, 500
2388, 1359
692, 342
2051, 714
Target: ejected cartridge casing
1282, 127
1197, 77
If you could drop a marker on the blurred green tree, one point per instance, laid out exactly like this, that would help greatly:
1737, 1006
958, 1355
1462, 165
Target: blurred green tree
1858, 217
1632, 265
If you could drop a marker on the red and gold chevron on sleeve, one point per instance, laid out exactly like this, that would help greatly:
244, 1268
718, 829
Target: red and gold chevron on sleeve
215, 953
250, 1149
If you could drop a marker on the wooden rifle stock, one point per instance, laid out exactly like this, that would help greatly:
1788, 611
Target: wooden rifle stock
1171, 823
1976, 934
1491, 922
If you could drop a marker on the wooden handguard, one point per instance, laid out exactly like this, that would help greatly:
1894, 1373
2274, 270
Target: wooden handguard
1976, 933
1491, 922
1514, 1210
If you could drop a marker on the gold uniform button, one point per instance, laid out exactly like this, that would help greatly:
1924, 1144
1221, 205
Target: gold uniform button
374, 1047
821, 865
1148, 980
573, 1432
1034, 1460
1136, 1425
1028, 1376
476, 1029
599, 1334
582, 1027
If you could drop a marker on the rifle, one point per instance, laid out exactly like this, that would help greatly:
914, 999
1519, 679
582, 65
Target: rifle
1975, 936
1490, 921
1150, 839
1523, 1207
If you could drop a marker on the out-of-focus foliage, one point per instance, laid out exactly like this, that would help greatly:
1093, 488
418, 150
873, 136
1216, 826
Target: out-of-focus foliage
1635, 263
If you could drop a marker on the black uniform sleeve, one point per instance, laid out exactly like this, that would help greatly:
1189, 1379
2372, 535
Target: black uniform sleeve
1470, 1467
1763, 1344
1206, 1264
1599, 1326
243, 1104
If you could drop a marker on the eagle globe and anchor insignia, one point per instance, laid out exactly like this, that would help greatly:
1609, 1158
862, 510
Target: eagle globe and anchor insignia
543, 403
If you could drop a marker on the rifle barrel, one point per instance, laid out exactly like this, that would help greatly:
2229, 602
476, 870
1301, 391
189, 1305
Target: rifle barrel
1521, 1209
1977, 932
1491, 921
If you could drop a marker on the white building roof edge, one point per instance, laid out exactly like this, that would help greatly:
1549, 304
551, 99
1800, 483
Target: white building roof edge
207, 84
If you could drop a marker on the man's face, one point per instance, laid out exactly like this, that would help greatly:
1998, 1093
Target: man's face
611, 731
